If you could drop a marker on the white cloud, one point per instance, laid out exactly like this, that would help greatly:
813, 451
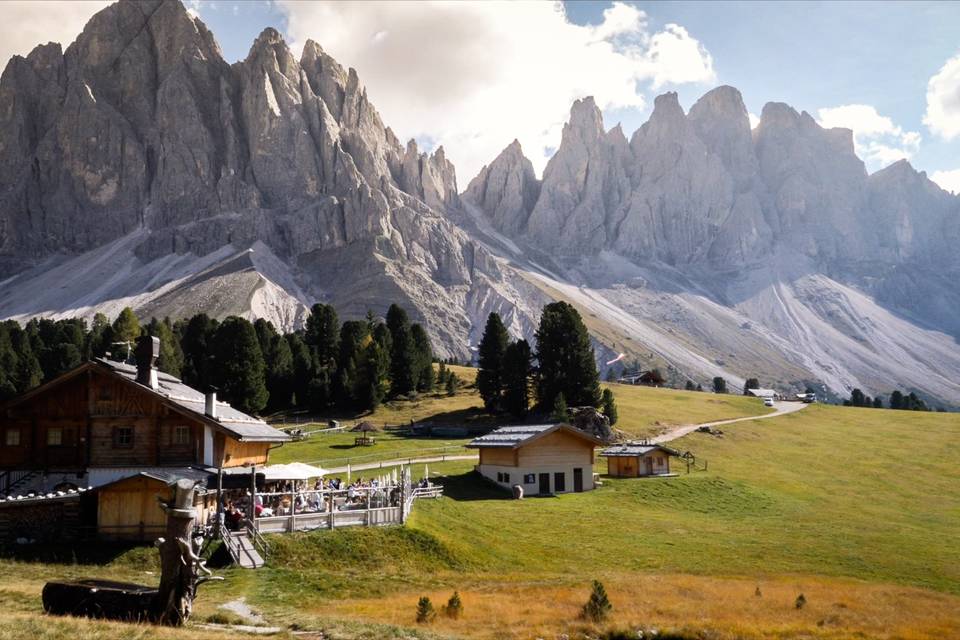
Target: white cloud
948, 180
754, 120
943, 101
878, 141
474, 75
33, 23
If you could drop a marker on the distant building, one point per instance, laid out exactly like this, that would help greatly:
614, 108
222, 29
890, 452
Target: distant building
652, 378
764, 393
633, 460
543, 459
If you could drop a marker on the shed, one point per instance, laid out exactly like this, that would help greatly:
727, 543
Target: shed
129, 508
635, 460
763, 393
544, 459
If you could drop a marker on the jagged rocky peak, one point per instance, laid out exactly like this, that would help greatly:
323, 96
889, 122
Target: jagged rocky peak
506, 190
586, 121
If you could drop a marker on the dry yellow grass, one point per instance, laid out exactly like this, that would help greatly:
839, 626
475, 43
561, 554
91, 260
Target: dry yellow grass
726, 607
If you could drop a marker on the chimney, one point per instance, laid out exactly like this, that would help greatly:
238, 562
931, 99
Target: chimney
210, 408
148, 350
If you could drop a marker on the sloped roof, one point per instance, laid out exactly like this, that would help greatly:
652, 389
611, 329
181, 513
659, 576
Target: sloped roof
242, 426
632, 449
762, 393
517, 436
170, 475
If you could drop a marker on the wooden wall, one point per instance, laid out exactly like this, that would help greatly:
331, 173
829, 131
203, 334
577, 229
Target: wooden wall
88, 409
238, 454
557, 448
130, 509
499, 457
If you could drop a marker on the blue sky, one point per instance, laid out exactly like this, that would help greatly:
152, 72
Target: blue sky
472, 76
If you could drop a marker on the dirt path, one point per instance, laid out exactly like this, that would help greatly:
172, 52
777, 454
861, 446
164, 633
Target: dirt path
780, 408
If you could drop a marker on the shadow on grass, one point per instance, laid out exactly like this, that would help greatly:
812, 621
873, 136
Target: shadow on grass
92, 553
471, 486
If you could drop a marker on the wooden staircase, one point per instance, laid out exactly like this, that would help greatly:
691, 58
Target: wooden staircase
245, 547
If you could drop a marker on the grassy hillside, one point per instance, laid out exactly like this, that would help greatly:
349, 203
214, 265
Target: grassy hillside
643, 412
857, 509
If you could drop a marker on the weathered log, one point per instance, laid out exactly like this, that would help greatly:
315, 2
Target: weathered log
180, 566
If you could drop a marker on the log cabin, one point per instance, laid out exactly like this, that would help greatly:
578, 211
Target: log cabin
543, 459
104, 421
632, 460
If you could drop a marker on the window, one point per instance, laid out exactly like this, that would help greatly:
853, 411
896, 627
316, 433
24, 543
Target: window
506, 477
659, 462
181, 434
12, 438
123, 437
530, 478
54, 437
503, 477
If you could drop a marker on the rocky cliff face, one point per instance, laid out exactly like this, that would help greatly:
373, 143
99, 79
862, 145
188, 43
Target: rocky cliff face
141, 135
506, 190
702, 190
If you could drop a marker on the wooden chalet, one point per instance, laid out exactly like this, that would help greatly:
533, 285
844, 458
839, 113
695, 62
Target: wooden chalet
632, 460
107, 421
543, 459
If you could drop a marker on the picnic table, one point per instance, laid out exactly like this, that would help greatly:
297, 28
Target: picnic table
364, 441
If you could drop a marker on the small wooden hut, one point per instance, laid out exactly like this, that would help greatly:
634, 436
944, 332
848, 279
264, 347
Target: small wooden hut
634, 460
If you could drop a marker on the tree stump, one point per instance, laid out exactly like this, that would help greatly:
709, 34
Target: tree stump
171, 604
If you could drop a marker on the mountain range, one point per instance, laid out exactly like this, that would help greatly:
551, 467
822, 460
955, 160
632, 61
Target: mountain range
138, 168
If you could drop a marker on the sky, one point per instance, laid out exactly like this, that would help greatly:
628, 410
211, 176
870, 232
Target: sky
474, 76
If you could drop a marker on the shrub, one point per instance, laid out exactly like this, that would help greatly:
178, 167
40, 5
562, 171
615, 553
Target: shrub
454, 608
425, 612
800, 602
598, 607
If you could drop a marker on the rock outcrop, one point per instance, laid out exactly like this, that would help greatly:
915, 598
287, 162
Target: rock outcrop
142, 136
506, 190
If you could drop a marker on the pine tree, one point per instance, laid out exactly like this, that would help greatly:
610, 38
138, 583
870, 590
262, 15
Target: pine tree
611, 375
609, 406
454, 608
452, 383
403, 366
322, 336
896, 400
517, 371
878, 403
372, 376
425, 612
559, 412
699, 387
598, 607
100, 336
239, 371
690, 386
280, 374
492, 348
29, 373
171, 355
302, 369
196, 345
566, 359
126, 328
719, 385
423, 353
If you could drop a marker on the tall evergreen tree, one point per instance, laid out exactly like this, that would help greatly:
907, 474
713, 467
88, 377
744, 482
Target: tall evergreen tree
126, 329
322, 335
609, 406
302, 369
566, 362
493, 346
559, 413
196, 346
896, 400
403, 365
354, 335
171, 354
280, 373
719, 384
517, 370
29, 373
423, 353
100, 337
239, 370
372, 375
